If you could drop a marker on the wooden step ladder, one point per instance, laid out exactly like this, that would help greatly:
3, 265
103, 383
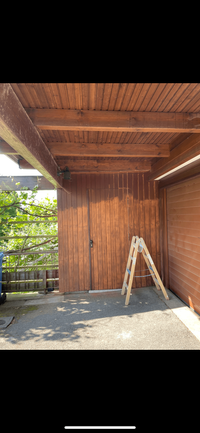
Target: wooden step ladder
138, 245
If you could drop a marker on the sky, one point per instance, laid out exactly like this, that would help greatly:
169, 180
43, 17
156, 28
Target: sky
10, 168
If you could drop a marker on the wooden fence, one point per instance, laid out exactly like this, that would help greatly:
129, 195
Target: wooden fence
30, 281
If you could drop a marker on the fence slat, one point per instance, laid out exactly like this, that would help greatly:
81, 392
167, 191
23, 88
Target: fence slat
21, 281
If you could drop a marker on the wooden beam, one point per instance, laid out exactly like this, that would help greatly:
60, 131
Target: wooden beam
6, 149
109, 166
189, 148
109, 149
24, 164
13, 157
19, 132
128, 121
180, 176
8, 183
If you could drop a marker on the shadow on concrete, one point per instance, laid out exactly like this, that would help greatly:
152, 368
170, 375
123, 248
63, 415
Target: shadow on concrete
75, 316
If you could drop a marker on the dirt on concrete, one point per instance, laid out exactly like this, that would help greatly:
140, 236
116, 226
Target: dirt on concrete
96, 321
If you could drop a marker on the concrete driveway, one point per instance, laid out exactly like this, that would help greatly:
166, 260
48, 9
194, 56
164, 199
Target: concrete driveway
99, 321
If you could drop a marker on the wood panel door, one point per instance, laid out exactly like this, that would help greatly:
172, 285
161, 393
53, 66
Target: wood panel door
183, 217
108, 221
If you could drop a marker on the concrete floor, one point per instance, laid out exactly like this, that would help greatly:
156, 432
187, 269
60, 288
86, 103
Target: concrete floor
100, 321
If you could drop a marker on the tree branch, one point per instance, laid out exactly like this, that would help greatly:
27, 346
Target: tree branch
28, 204
42, 207
28, 248
13, 204
32, 214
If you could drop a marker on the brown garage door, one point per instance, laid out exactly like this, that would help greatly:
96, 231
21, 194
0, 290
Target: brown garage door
183, 215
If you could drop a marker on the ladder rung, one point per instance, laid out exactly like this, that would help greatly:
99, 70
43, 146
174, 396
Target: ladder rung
131, 257
129, 272
126, 285
151, 268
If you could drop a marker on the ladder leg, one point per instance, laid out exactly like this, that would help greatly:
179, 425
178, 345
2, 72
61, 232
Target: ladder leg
132, 273
154, 269
151, 272
128, 266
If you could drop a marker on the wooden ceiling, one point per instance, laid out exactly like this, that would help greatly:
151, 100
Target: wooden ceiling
111, 96
109, 126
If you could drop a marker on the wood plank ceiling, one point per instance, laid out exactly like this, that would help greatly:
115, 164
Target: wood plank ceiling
99, 144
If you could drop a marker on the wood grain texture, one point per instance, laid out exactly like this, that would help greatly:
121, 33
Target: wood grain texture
19, 132
113, 222
174, 97
23, 164
105, 149
184, 240
187, 149
93, 120
6, 149
102, 166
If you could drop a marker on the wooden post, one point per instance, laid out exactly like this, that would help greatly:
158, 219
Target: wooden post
45, 282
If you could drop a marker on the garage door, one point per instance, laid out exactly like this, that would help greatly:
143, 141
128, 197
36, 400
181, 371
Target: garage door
183, 215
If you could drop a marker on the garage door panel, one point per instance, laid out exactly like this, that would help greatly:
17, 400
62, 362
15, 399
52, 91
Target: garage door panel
185, 211
183, 219
193, 261
185, 203
182, 189
178, 238
180, 225
187, 218
180, 267
185, 287
185, 295
181, 197
189, 231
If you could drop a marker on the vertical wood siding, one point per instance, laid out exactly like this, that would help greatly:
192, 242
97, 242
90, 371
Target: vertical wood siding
109, 232
120, 206
183, 215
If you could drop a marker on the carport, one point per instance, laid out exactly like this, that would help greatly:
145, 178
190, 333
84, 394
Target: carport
125, 160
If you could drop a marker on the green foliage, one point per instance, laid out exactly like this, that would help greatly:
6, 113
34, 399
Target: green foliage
23, 206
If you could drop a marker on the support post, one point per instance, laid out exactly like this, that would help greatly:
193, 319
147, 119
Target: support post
45, 282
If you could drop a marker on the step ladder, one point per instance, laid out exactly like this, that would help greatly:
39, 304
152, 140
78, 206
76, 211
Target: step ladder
138, 245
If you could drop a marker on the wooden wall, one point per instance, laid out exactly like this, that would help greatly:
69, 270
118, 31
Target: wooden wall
141, 217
